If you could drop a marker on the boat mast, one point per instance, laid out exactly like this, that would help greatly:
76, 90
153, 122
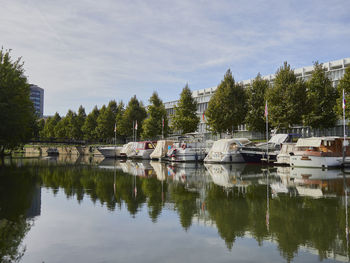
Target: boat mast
267, 133
344, 142
163, 128
115, 134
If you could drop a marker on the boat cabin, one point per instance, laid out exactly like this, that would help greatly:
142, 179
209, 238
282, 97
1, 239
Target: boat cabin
322, 146
146, 145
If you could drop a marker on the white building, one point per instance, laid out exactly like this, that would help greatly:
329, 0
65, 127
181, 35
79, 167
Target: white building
334, 69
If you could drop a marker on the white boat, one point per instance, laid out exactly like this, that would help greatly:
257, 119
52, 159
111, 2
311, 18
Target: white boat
186, 152
110, 151
227, 151
266, 151
161, 149
127, 149
283, 158
322, 152
142, 150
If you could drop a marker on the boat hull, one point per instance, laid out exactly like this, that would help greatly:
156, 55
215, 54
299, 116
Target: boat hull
283, 159
258, 157
110, 152
187, 157
224, 158
142, 154
316, 161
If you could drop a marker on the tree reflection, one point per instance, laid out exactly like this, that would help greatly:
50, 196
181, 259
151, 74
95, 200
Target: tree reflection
237, 211
185, 203
17, 190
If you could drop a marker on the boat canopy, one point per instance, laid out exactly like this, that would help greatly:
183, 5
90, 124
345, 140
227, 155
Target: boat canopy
161, 148
313, 141
225, 145
128, 148
279, 138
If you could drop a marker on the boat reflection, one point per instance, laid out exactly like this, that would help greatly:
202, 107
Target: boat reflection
312, 182
298, 209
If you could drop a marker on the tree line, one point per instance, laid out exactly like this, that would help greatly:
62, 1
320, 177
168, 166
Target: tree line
115, 119
291, 101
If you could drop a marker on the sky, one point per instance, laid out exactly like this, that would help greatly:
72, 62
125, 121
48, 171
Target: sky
88, 52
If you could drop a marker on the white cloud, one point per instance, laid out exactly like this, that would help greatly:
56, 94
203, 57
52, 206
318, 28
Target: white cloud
88, 52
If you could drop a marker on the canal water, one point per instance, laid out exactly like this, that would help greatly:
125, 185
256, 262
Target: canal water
93, 210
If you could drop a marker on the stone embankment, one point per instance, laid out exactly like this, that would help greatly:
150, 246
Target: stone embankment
38, 150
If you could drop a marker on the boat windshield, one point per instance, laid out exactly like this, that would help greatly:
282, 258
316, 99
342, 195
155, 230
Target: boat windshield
149, 145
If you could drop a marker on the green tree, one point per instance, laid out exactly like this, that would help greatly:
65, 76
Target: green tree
321, 100
135, 111
106, 121
89, 127
255, 118
227, 107
50, 124
41, 126
344, 84
286, 99
62, 129
16, 109
119, 117
152, 126
79, 122
185, 118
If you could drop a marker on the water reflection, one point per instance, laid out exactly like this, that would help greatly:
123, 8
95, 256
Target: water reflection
296, 209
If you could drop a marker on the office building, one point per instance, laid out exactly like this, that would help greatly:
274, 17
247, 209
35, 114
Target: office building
37, 97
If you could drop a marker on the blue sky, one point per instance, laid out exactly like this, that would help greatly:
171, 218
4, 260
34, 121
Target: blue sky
89, 52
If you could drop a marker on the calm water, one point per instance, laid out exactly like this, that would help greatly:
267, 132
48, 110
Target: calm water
64, 210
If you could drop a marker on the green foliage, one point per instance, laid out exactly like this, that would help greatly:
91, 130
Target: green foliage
62, 129
227, 107
152, 126
50, 126
133, 112
16, 109
89, 127
255, 118
286, 99
106, 121
185, 119
344, 84
41, 126
321, 100
119, 117
79, 123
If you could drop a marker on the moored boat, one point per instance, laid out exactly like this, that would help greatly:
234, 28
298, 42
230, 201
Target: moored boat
143, 150
266, 152
186, 152
322, 152
162, 147
227, 151
127, 149
283, 157
110, 151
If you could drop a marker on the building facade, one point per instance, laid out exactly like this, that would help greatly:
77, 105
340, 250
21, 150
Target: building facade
37, 97
335, 70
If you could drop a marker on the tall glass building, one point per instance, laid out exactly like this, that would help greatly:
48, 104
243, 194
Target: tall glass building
37, 97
